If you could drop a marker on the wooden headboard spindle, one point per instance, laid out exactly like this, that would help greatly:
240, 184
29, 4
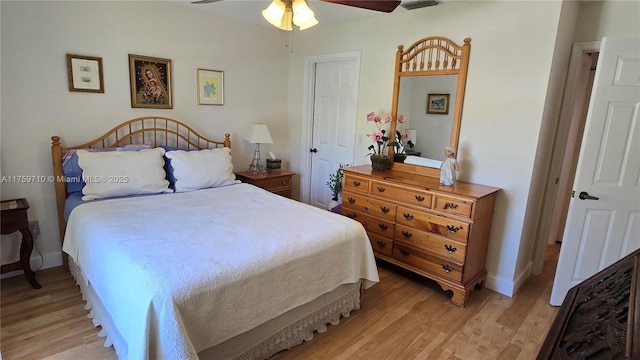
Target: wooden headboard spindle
154, 131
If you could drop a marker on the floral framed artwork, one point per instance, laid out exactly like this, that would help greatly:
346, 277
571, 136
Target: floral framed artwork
210, 87
438, 104
151, 85
85, 73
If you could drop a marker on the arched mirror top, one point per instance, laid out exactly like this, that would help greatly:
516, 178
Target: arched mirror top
433, 66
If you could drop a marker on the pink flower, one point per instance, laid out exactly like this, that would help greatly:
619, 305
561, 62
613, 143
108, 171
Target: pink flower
387, 119
377, 136
402, 119
370, 116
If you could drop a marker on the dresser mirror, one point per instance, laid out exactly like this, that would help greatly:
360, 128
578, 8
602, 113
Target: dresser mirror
429, 83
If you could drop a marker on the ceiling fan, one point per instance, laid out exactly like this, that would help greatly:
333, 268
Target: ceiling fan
376, 5
281, 13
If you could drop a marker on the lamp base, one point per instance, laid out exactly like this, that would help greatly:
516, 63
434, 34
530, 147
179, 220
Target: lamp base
256, 166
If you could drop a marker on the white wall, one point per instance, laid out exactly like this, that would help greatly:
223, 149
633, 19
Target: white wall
36, 103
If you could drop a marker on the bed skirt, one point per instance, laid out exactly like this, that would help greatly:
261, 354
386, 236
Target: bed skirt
283, 332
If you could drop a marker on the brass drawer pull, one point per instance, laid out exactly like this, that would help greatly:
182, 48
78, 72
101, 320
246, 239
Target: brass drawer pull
450, 249
420, 198
381, 243
351, 215
381, 189
447, 268
351, 200
453, 229
285, 182
356, 183
450, 205
409, 217
404, 252
383, 227
406, 234
384, 209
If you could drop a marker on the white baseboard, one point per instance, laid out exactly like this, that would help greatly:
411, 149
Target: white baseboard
39, 263
508, 287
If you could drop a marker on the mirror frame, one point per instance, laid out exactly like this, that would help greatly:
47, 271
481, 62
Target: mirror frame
430, 56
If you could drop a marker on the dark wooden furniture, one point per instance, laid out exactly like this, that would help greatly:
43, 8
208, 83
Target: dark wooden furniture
278, 182
440, 232
600, 317
14, 218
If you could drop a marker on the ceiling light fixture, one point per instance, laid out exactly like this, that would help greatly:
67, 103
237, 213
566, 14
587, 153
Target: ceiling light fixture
280, 13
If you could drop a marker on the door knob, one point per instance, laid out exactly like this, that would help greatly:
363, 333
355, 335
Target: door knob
585, 196
314, 150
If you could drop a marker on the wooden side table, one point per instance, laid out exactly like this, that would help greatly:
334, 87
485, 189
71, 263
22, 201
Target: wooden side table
278, 182
14, 218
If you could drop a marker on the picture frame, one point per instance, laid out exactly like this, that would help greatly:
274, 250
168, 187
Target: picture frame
210, 87
85, 73
151, 84
438, 104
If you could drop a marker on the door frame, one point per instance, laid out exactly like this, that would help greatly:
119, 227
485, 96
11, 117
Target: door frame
308, 97
556, 194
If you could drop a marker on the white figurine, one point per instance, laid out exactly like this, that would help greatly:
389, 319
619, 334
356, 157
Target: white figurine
449, 168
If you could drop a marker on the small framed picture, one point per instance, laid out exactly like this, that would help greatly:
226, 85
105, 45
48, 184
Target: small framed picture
210, 87
150, 82
438, 104
85, 73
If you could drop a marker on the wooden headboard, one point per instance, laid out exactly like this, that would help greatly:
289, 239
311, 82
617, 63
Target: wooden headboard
154, 131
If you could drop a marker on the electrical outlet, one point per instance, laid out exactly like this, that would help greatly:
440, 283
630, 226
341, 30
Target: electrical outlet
35, 228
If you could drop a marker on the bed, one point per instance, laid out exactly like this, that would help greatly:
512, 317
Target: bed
178, 260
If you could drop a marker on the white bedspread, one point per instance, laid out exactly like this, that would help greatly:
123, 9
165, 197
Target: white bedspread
182, 272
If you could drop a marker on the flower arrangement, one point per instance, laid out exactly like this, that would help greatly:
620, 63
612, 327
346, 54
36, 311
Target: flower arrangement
401, 142
335, 182
379, 138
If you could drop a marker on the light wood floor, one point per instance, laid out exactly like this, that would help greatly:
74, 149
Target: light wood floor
403, 317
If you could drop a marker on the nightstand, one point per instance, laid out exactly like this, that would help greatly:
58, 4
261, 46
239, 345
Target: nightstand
278, 182
14, 218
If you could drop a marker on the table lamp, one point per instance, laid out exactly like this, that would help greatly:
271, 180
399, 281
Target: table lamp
259, 135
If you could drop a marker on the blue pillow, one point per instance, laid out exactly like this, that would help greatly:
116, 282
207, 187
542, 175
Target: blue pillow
73, 172
168, 169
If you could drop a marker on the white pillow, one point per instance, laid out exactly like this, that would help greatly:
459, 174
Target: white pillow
122, 173
202, 169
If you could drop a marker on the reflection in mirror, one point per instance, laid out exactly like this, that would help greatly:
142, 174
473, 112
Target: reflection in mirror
430, 133
431, 65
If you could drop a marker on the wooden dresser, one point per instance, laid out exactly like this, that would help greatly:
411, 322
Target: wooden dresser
437, 231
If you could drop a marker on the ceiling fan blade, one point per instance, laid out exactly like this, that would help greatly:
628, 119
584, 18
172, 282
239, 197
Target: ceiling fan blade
204, 1
377, 5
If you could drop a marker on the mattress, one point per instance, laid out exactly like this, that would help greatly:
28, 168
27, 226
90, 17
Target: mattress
181, 273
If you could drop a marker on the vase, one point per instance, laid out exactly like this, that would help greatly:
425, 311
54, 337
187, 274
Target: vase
379, 162
399, 158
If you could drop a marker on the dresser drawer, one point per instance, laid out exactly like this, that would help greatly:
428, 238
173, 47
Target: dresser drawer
381, 245
453, 206
446, 248
424, 261
364, 203
401, 194
371, 224
355, 183
275, 183
451, 229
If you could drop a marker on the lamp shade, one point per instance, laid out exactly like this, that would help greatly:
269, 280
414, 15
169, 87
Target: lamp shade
260, 134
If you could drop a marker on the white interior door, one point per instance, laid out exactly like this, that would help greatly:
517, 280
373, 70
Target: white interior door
603, 223
334, 124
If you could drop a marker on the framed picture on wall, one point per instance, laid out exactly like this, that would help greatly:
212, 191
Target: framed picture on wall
210, 87
438, 104
85, 73
150, 82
